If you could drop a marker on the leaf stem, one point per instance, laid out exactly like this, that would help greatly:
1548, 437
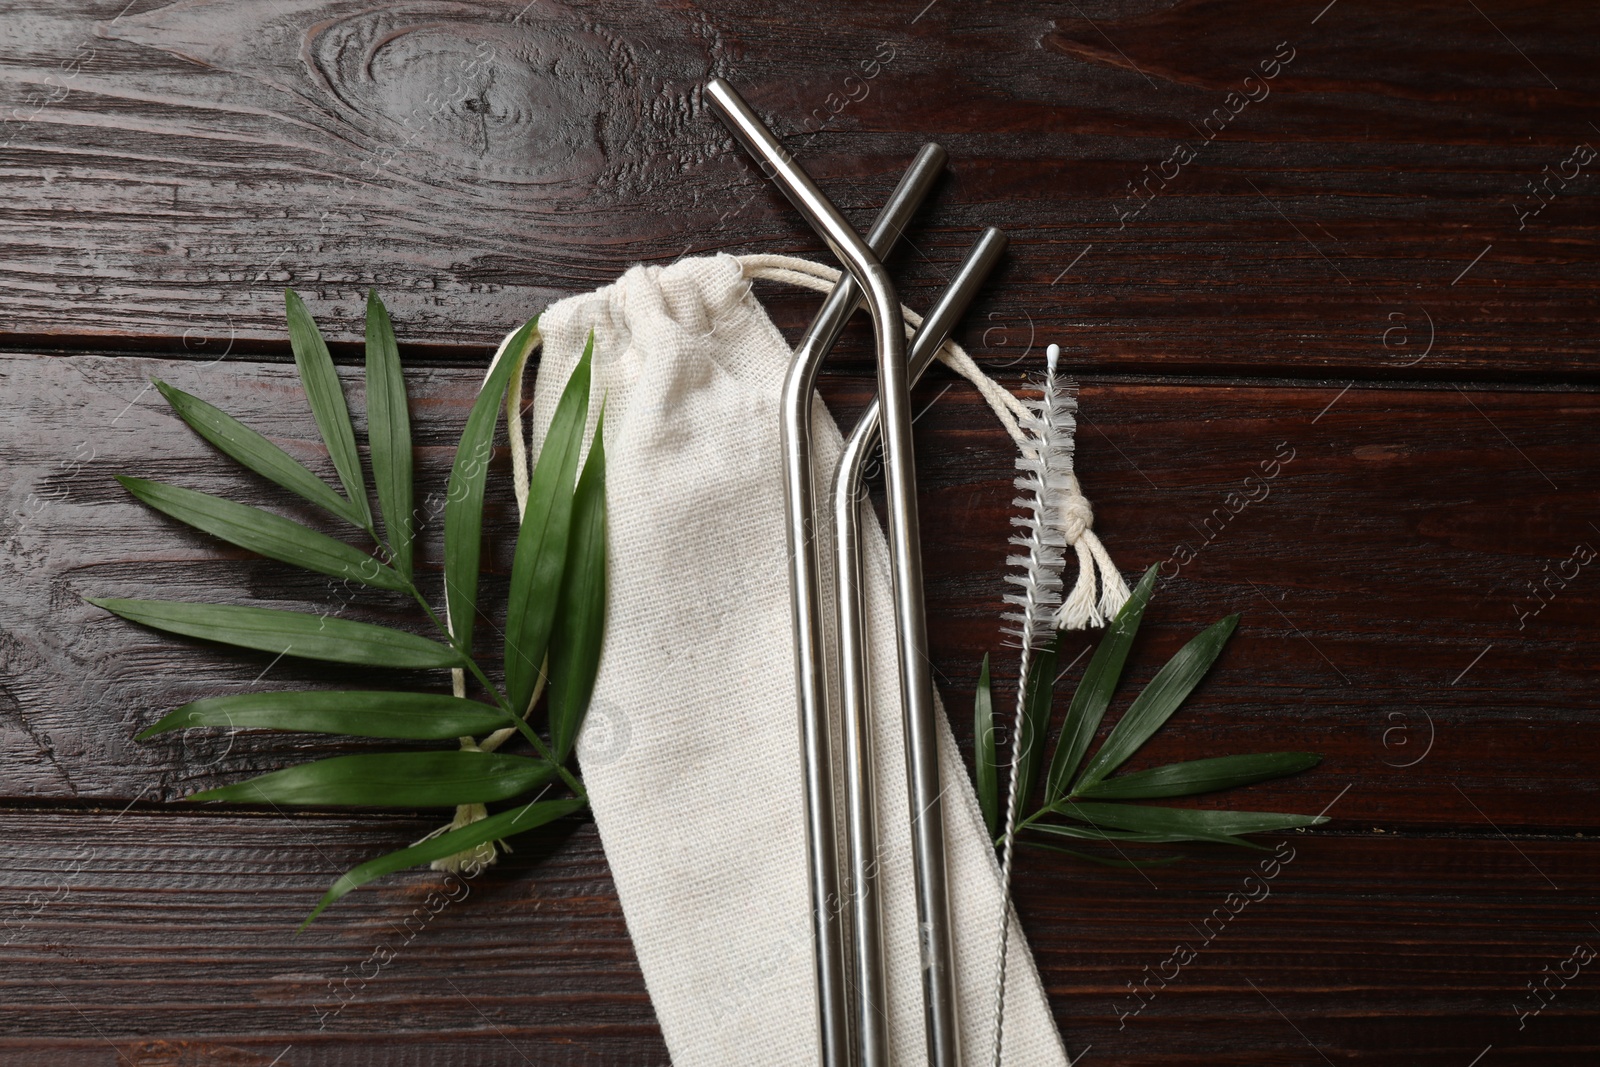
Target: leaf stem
521, 724
1023, 824
1048, 809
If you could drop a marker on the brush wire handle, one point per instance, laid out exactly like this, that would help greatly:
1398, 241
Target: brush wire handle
1049, 490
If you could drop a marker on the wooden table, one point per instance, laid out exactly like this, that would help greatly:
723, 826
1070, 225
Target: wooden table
1361, 235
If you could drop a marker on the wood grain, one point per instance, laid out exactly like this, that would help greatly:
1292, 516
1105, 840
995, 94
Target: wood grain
1369, 573
1352, 244
169, 939
166, 171
174, 935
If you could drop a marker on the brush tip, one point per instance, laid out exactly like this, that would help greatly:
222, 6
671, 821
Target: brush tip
1052, 355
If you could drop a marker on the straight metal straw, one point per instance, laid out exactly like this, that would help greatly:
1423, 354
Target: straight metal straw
872, 1019
804, 566
916, 684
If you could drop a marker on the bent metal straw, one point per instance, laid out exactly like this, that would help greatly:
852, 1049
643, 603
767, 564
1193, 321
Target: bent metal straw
872, 1011
799, 386
916, 684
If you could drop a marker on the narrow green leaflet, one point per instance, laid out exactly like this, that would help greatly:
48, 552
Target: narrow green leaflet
263, 532
1201, 776
394, 780
558, 600
1093, 695
1036, 717
1153, 819
581, 609
1154, 706
988, 778
359, 713
506, 823
542, 542
389, 433
1138, 837
1131, 823
463, 509
289, 633
326, 398
248, 447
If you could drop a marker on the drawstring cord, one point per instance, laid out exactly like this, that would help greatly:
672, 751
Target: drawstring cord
1100, 590
1095, 598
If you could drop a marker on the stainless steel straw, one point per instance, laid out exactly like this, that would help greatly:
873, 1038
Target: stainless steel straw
871, 1020
916, 685
804, 566
864, 958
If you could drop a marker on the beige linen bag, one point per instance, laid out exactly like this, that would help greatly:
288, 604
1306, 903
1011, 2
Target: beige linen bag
691, 754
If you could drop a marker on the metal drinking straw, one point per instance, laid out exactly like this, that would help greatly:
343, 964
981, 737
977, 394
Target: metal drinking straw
916, 685
871, 1017
826, 895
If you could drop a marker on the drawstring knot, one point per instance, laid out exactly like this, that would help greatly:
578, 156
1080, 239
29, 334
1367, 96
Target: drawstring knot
1100, 591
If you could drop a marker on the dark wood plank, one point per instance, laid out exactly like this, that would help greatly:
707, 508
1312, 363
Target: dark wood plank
163, 172
1360, 947
1390, 576
170, 939
1379, 570
1392, 213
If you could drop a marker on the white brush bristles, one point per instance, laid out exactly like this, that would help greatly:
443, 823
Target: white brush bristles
1048, 492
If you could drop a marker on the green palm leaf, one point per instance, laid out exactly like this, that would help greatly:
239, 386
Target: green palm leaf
1093, 695
559, 577
1152, 819
1138, 837
463, 509
506, 823
581, 609
542, 541
1154, 706
393, 780
1201, 776
248, 447
326, 398
263, 532
1036, 717
389, 433
413, 716
288, 633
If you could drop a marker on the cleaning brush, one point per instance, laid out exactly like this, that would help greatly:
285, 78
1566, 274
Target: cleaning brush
1049, 490
1049, 495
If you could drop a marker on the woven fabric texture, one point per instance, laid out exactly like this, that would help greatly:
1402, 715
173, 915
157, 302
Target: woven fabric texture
691, 754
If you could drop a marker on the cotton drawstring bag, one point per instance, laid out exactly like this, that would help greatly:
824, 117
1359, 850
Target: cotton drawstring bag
691, 752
